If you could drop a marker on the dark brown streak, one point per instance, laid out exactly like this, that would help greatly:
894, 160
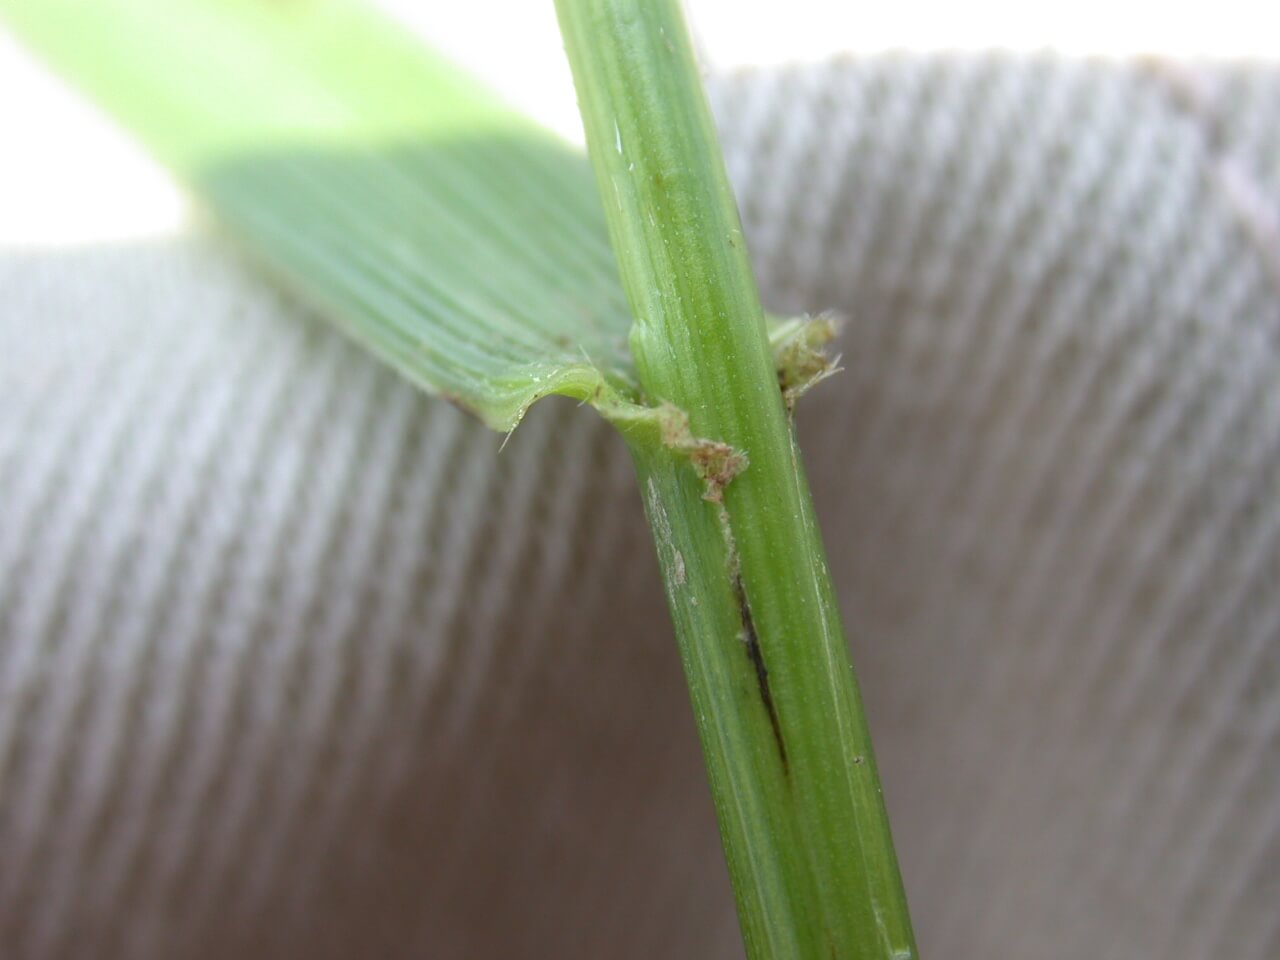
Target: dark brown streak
762, 672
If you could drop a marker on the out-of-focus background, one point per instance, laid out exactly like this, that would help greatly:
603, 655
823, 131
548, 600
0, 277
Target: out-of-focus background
294, 663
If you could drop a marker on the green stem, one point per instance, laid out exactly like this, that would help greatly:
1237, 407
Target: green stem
777, 705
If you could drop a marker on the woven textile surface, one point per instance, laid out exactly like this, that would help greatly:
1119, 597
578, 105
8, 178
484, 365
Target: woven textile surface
294, 662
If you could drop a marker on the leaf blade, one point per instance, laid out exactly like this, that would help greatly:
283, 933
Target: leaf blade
376, 180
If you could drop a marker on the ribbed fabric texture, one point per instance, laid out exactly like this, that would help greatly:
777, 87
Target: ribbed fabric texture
295, 663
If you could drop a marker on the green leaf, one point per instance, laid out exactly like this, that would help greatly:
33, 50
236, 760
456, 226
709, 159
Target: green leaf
453, 237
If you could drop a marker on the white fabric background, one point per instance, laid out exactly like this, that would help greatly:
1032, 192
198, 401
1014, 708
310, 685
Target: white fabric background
294, 663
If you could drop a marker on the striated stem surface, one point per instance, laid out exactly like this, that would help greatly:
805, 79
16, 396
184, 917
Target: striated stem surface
785, 739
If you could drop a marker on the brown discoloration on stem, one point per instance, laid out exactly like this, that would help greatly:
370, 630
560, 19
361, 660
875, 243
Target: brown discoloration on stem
801, 358
716, 463
752, 642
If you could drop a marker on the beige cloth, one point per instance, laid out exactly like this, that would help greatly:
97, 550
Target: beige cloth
295, 663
